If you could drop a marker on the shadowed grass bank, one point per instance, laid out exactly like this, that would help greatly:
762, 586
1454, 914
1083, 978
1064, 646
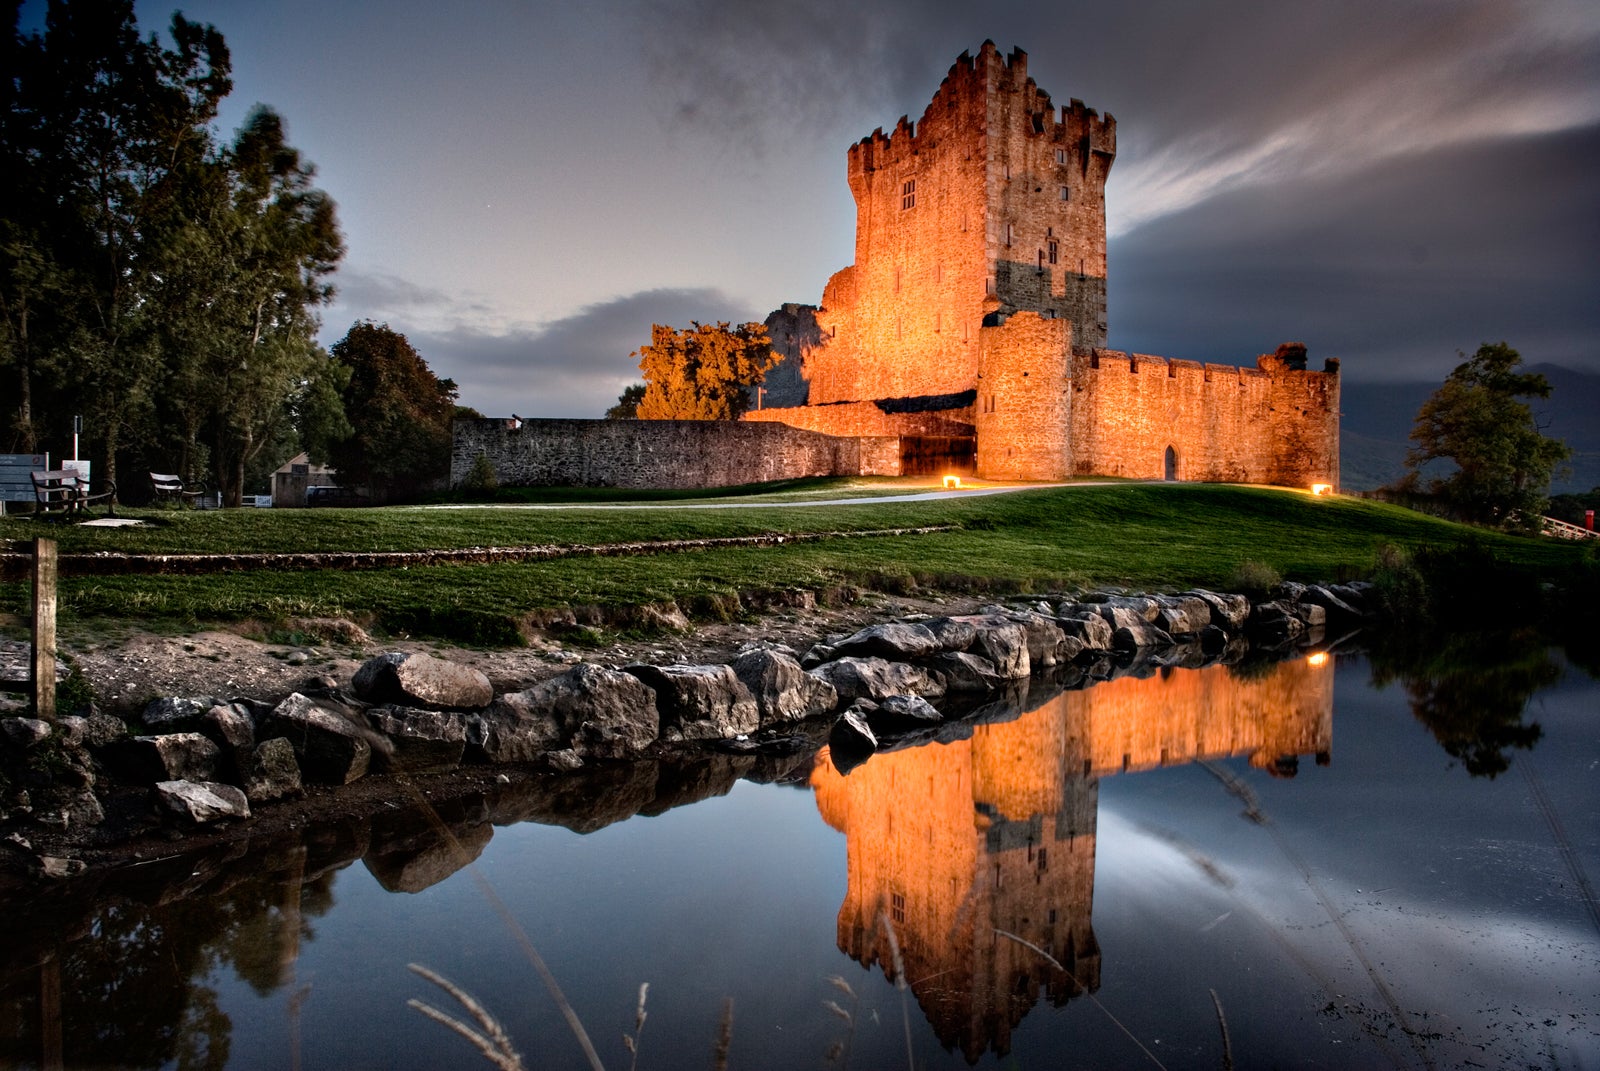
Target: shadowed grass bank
1044, 541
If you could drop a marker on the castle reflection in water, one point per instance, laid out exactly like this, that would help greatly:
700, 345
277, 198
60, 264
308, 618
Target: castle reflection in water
958, 844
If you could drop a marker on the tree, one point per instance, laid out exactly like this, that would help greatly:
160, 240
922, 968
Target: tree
627, 407
255, 244
400, 410
1503, 463
702, 373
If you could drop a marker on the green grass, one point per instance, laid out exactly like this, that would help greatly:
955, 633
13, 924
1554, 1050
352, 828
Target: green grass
1051, 540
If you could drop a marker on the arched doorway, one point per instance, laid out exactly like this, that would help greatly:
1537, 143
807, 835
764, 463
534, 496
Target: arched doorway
1171, 471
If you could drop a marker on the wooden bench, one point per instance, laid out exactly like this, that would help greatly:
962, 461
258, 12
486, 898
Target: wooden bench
169, 487
68, 490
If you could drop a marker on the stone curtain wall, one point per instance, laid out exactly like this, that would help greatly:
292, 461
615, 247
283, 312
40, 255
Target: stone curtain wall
660, 453
869, 419
1223, 423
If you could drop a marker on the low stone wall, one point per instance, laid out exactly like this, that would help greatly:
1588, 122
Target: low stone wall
660, 453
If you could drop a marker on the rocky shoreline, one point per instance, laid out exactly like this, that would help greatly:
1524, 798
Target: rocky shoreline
90, 791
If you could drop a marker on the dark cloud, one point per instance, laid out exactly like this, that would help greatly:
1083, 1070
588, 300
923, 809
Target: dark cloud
1394, 270
572, 367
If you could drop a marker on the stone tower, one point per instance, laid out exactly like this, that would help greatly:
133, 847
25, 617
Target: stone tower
993, 203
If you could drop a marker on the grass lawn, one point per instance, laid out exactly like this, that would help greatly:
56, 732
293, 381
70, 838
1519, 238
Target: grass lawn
1146, 536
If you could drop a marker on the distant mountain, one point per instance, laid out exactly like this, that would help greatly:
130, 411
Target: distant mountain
1376, 421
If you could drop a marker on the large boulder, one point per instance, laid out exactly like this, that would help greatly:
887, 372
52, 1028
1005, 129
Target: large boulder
896, 641
421, 680
900, 714
170, 757
1338, 610
875, 679
231, 727
959, 671
419, 739
24, 733
850, 742
1047, 643
601, 712
1004, 643
782, 690
1089, 629
330, 746
1139, 637
1228, 611
271, 772
174, 714
1274, 623
953, 633
202, 801
1183, 615
700, 702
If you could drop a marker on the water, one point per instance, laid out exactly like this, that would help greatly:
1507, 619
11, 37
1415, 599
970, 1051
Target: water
1083, 884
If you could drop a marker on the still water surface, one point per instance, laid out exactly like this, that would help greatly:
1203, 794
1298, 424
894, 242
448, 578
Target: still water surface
1322, 866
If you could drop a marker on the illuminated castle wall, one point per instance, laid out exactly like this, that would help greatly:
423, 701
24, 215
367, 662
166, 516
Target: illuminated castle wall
976, 306
954, 842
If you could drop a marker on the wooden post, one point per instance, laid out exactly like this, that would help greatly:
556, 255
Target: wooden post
44, 629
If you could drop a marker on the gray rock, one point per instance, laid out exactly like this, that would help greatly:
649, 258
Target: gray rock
850, 742
1275, 622
202, 801
233, 730
605, 713
68, 807
1228, 611
170, 757
1004, 643
57, 867
1122, 616
103, 731
953, 633
783, 691
564, 761
1184, 615
71, 730
1047, 642
331, 748
419, 739
1139, 637
421, 680
1338, 609
271, 772
875, 679
1143, 606
25, 733
816, 655
1311, 614
174, 715
902, 714
1089, 629
959, 671
700, 702
895, 640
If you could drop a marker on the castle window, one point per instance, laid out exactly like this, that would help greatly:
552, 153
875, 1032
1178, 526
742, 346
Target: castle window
1008, 235
897, 903
1066, 194
1061, 156
908, 194
1054, 248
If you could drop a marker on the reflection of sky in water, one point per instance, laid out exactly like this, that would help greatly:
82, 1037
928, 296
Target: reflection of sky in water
1451, 887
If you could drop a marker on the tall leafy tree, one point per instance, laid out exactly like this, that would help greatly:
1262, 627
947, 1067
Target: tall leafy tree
702, 373
627, 407
255, 244
100, 126
1477, 420
400, 411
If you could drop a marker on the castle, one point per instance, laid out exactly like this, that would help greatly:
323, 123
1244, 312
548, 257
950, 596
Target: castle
975, 312
968, 337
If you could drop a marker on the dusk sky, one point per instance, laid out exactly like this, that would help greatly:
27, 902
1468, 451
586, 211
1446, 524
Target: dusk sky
525, 187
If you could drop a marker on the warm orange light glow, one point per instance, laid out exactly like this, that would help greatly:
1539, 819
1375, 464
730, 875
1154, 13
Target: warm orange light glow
1322, 488
1318, 659
952, 482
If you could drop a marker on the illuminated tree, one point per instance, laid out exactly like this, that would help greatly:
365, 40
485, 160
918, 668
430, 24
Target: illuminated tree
702, 373
1503, 463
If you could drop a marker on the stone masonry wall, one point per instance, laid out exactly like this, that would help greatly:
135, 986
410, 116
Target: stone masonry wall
1222, 423
660, 453
868, 418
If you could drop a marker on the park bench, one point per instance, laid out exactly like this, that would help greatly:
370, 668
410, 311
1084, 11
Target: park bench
168, 487
68, 490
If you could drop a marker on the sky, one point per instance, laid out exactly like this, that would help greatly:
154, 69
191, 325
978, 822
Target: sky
526, 186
